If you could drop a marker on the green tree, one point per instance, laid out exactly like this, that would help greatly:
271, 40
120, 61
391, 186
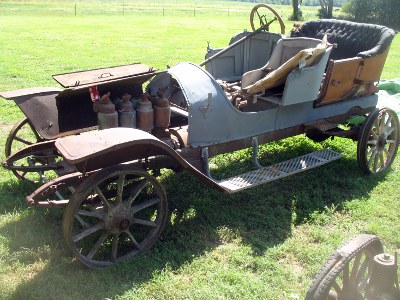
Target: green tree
385, 12
326, 9
296, 16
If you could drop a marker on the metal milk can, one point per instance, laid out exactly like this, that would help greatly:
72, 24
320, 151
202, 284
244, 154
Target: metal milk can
107, 117
162, 112
144, 114
127, 114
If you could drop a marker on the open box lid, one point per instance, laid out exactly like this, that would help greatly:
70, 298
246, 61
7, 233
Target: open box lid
98, 76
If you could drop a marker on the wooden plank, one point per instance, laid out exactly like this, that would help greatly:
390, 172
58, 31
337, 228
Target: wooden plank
340, 78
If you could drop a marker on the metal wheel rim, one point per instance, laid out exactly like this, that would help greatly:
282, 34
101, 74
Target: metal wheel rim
379, 141
274, 12
111, 235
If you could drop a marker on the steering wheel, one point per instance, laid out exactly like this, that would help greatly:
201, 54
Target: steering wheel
261, 10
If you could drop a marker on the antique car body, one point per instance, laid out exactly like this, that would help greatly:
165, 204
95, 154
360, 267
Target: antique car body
103, 174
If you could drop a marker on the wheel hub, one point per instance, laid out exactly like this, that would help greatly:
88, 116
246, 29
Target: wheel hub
124, 224
117, 219
381, 142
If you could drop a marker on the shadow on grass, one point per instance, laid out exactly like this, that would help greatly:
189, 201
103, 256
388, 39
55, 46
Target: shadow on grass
201, 220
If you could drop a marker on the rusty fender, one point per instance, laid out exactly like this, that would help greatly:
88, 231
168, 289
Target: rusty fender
44, 195
32, 150
109, 147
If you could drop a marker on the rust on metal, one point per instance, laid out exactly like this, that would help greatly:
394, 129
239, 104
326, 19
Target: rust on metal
13, 95
95, 76
41, 197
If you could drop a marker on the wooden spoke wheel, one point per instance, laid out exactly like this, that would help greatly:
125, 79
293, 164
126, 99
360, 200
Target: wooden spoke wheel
346, 273
263, 15
378, 141
23, 134
116, 213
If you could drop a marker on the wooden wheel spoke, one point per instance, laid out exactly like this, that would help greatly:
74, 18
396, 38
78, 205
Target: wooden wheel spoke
361, 271
120, 188
346, 276
376, 161
137, 190
145, 222
372, 158
346, 273
356, 265
145, 204
376, 124
97, 245
370, 150
132, 238
102, 197
95, 214
382, 158
114, 249
386, 152
101, 202
87, 232
82, 221
38, 138
22, 140
389, 129
389, 120
337, 288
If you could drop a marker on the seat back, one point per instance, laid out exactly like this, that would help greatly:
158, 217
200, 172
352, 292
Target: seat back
352, 39
285, 50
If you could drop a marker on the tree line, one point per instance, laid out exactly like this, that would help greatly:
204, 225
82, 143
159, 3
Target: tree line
384, 12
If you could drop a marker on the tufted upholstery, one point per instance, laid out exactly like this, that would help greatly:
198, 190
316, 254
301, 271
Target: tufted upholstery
352, 39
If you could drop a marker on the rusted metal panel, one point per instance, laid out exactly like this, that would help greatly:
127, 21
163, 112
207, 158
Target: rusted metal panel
29, 92
96, 76
43, 196
42, 111
78, 148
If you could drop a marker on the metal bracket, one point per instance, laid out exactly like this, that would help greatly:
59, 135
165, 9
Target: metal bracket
254, 143
206, 165
206, 109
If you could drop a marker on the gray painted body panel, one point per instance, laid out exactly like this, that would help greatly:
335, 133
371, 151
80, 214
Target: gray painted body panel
249, 55
218, 121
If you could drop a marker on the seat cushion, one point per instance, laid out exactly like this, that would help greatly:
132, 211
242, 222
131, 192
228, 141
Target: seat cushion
305, 57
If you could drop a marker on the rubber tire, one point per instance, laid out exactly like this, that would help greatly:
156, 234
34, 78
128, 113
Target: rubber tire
322, 282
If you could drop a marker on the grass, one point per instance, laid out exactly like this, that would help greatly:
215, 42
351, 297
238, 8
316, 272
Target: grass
264, 243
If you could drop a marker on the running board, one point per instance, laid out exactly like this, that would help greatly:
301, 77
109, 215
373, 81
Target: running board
279, 170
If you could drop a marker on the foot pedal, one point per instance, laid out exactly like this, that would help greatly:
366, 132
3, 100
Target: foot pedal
279, 170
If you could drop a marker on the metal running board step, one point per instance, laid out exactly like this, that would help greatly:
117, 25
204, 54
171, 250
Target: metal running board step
279, 170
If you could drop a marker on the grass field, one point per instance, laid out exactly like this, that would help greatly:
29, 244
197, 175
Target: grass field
264, 243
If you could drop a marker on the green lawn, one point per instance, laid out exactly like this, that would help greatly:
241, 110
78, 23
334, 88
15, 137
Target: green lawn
264, 243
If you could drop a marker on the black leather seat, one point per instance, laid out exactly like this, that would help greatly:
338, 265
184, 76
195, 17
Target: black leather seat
352, 39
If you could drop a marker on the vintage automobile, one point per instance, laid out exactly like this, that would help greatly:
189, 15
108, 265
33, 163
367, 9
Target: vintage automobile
261, 88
